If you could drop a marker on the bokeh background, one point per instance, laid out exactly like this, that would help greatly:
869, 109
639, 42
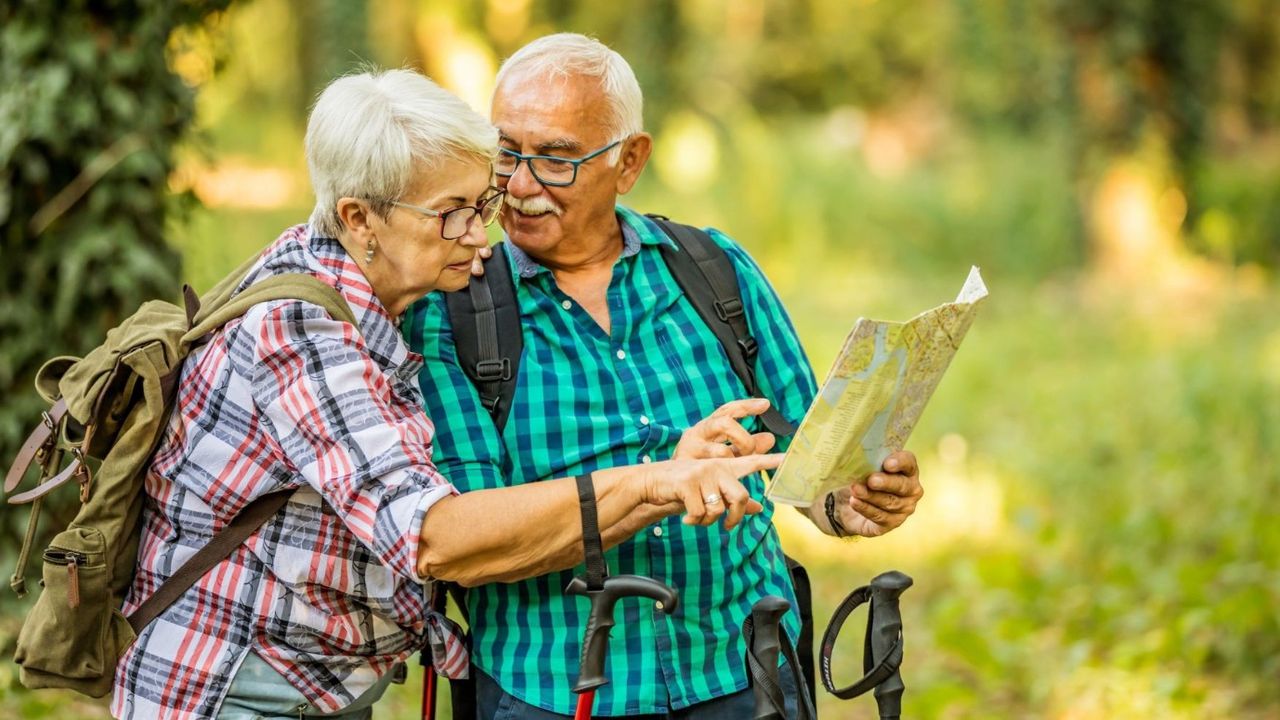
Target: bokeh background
1099, 537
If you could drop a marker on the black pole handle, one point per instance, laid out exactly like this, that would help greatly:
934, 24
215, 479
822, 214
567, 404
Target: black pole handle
884, 639
762, 659
882, 649
596, 642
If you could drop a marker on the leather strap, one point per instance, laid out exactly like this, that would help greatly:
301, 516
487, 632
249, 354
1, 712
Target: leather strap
73, 469
45, 434
219, 548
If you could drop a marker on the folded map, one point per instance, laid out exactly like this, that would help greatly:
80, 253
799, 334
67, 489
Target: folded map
873, 397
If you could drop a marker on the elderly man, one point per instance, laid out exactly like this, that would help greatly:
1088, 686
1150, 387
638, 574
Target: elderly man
618, 367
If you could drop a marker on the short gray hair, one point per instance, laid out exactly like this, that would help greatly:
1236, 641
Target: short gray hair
570, 54
369, 133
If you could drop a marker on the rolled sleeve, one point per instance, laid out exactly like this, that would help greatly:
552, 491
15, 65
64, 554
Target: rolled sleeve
343, 429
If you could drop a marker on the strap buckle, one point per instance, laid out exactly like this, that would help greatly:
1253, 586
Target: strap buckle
83, 475
490, 404
729, 309
749, 347
493, 370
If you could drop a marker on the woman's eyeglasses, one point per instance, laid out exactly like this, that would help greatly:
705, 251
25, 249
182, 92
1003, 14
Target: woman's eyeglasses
455, 222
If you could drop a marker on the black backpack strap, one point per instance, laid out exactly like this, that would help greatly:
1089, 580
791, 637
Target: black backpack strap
804, 606
487, 334
706, 275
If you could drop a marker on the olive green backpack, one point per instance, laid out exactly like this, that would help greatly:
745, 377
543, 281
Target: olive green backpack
108, 411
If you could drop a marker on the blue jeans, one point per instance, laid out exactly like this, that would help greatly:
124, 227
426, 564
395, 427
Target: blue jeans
258, 692
494, 703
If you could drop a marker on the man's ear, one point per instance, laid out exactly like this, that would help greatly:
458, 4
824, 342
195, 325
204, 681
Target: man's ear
635, 153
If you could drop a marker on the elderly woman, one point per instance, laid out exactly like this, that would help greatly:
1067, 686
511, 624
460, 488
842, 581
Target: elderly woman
315, 612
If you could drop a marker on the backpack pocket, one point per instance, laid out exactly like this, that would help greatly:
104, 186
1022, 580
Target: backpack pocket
70, 631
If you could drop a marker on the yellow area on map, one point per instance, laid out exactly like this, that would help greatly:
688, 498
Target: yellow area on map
872, 398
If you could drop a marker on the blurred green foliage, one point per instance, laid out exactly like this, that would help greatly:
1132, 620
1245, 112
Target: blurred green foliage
89, 117
1097, 538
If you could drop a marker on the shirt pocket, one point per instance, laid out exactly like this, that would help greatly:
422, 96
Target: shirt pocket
673, 369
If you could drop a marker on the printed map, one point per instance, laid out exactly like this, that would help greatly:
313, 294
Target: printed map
873, 397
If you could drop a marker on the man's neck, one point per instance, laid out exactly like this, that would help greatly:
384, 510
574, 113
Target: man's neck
586, 255
584, 269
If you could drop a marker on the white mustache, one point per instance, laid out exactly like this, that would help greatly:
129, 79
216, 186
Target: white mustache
536, 205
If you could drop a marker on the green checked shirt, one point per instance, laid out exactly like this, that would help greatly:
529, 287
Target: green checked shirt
587, 400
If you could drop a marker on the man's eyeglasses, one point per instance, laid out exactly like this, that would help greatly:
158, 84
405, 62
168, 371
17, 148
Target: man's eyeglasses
546, 169
455, 222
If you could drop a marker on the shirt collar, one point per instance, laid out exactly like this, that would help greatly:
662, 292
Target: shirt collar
637, 231
300, 249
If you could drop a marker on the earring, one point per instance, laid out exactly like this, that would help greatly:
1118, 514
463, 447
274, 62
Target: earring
368, 252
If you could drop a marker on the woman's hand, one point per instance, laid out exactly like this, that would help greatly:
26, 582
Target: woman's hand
720, 435
707, 489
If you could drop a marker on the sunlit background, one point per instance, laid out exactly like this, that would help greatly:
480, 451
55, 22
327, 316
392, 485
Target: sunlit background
1099, 536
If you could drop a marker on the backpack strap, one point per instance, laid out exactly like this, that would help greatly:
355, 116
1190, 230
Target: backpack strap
489, 340
706, 275
224, 542
287, 286
487, 335
804, 606
38, 444
211, 317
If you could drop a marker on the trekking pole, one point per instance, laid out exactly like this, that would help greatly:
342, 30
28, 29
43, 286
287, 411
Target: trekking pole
882, 649
603, 592
595, 643
765, 641
430, 679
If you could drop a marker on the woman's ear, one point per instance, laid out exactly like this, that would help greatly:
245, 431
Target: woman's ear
354, 216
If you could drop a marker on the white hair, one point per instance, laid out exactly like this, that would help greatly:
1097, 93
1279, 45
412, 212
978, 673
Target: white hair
570, 54
370, 133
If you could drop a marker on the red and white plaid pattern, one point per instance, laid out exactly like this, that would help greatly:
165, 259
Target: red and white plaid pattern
326, 592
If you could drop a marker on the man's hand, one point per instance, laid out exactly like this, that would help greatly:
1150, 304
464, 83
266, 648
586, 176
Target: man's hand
883, 503
721, 435
477, 263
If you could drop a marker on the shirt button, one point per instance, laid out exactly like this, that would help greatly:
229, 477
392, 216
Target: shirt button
658, 606
566, 304
646, 459
621, 355
657, 532
644, 419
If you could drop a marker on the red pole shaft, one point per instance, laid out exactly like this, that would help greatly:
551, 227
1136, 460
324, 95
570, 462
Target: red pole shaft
429, 694
585, 702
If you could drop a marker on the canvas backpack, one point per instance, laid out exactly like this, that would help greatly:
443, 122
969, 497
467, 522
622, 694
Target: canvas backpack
108, 413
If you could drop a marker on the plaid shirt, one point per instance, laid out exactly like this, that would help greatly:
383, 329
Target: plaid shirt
587, 400
326, 592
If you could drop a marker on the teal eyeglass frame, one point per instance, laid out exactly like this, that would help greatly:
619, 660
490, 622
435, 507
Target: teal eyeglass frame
576, 163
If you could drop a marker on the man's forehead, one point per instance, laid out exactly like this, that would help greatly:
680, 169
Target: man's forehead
553, 110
